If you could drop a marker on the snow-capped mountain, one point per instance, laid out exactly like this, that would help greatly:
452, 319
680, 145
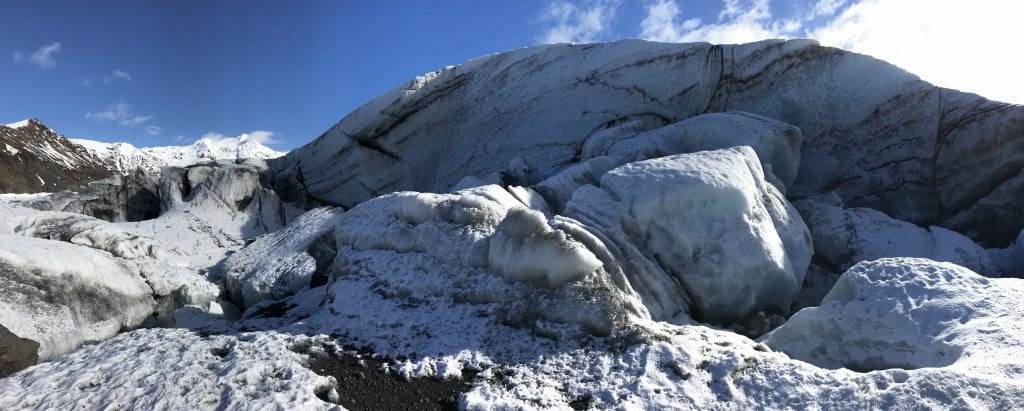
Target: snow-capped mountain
124, 157
35, 158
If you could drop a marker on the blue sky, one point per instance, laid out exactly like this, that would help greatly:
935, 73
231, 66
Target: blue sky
166, 73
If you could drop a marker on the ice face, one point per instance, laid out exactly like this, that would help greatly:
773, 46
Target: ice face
281, 263
708, 220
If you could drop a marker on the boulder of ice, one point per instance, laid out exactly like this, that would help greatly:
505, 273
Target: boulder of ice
777, 146
702, 229
910, 313
845, 236
58, 296
281, 263
174, 284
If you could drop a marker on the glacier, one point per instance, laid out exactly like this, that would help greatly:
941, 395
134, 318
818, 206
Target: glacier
636, 225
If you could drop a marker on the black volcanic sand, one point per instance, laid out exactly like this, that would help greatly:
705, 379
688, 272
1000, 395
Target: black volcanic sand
363, 383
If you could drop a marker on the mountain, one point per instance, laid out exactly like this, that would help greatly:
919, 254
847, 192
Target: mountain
35, 158
626, 225
124, 157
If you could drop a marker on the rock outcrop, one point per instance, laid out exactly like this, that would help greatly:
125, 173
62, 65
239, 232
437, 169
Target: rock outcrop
34, 158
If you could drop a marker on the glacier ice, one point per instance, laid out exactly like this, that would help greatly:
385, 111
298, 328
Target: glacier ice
69, 296
845, 236
130, 197
598, 199
279, 264
877, 135
525, 248
704, 228
776, 144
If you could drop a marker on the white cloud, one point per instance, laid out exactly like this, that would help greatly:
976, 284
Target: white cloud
577, 24
660, 24
259, 136
971, 46
117, 75
826, 7
740, 21
43, 57
152, 130
263, 137
120, 113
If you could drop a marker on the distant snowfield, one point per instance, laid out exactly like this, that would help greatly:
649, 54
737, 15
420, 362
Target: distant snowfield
18, 124
629, 225
126, 157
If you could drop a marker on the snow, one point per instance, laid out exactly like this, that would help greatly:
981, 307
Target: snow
554, 258
124, 157
281, 263
15, 197
911, 313
18, 124
171, 369
207, 148
11, 150
708, 220
41, 182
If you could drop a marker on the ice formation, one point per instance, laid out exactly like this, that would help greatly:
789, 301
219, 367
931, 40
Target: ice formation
463, 247
910, 313
875, 134
66, 297
847, 236
587, 225
282, 263
710, 223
